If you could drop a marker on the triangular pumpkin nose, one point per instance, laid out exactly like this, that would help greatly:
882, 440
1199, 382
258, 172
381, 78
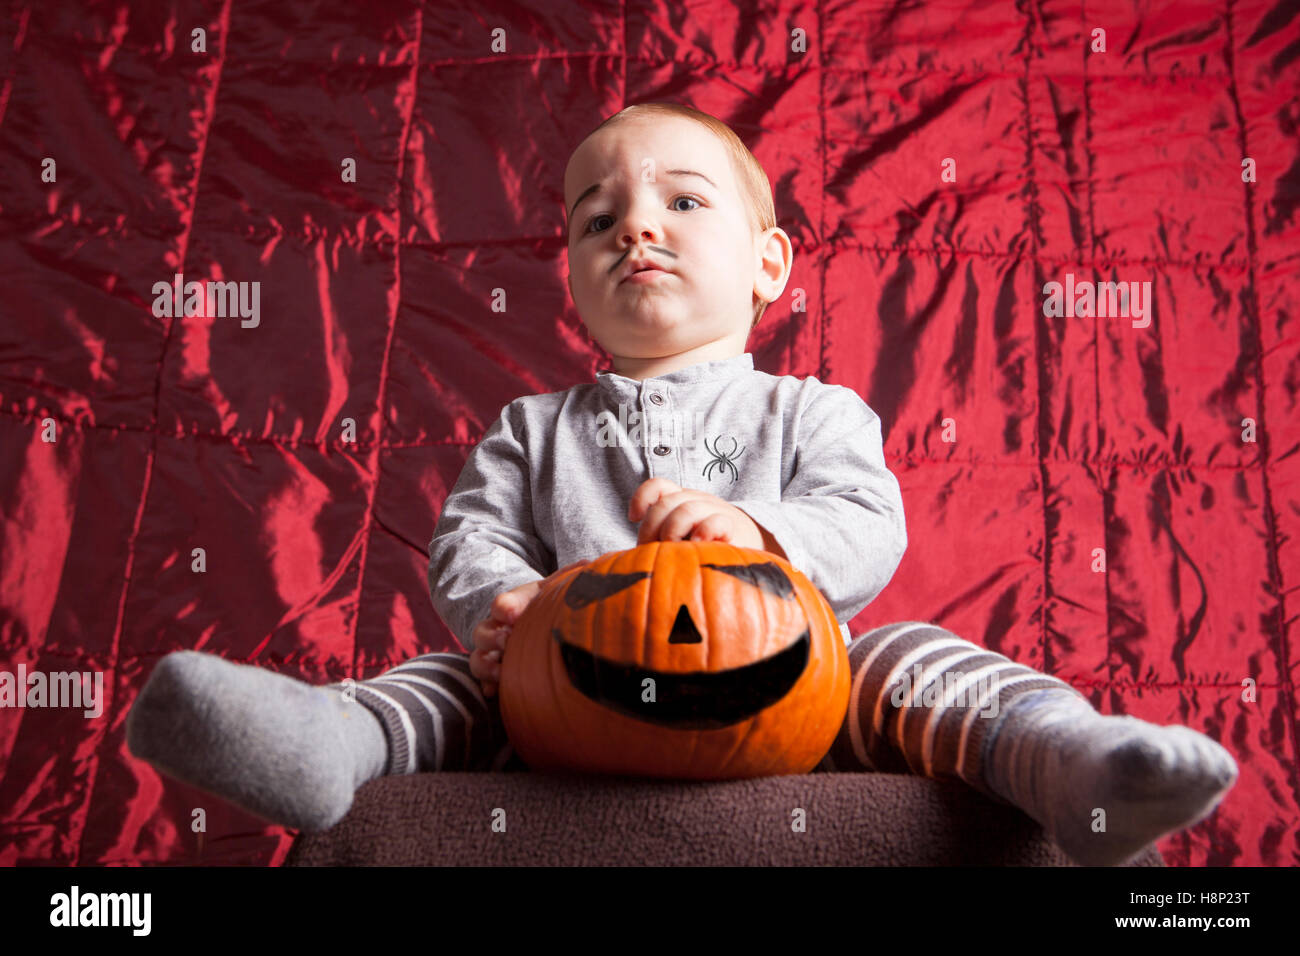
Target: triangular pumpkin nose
684, 630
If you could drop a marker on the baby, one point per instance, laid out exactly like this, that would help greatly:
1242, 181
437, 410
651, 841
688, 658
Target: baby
673, 254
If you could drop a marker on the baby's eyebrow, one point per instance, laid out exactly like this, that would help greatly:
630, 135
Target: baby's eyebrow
691, 172
591, 190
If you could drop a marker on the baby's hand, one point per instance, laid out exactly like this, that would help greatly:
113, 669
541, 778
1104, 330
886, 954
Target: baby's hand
668, 512
490, 635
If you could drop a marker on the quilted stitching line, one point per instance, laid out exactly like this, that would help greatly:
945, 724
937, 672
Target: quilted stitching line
119, 627
1033, 220
1105, 488
864, 67
1251, 303
1156, 463
376, 458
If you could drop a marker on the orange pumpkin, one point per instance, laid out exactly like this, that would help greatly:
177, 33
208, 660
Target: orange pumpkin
679, 659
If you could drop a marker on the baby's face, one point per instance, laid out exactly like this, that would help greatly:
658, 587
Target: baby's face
690, 221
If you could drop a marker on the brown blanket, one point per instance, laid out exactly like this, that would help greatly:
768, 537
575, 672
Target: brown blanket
851, 819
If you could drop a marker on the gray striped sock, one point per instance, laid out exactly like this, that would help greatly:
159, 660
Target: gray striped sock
280, 748
924, 701
1103, 787
435, 716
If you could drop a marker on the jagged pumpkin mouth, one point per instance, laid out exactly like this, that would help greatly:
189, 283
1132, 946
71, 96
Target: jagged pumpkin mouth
693, 701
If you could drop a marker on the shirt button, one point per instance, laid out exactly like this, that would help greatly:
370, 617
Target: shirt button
657, 398
662, 450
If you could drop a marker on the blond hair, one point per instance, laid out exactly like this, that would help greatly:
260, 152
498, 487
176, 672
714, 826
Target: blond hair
755, 189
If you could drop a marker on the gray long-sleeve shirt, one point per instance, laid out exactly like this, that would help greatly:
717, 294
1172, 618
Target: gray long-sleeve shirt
550, 482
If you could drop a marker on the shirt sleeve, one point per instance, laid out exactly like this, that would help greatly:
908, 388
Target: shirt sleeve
485, 542
840, 519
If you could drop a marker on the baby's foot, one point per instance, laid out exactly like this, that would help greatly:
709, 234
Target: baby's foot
284, 750
1103, 787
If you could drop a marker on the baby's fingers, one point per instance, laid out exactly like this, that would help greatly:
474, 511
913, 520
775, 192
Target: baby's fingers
508, 605
485, 665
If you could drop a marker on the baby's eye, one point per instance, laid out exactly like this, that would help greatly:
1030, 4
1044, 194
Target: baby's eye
591, 226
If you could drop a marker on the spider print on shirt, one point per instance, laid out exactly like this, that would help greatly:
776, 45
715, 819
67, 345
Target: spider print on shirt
725, 461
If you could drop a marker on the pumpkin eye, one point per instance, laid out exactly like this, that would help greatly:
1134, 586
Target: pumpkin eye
591, 586
766, 577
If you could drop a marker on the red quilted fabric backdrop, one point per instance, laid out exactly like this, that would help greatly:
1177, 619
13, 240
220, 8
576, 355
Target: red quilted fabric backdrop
935, 168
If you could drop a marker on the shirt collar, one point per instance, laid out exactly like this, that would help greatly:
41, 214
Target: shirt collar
718, 370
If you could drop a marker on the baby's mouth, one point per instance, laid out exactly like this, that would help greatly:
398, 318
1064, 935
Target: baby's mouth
645, 275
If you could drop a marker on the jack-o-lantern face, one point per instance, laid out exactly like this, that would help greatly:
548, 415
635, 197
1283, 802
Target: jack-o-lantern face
690, 696
676, 659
